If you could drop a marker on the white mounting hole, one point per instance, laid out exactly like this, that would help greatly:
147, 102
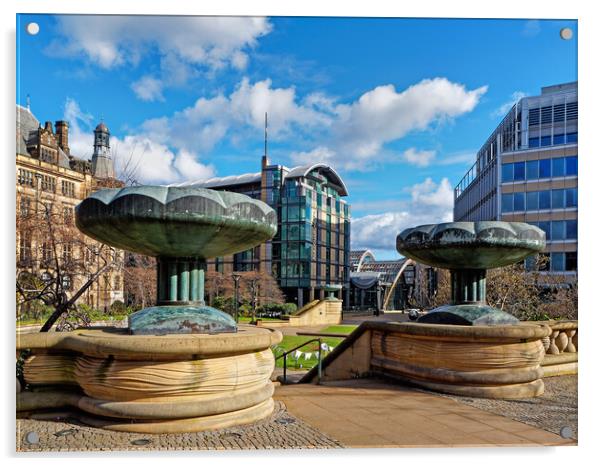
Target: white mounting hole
566, 33
32, 28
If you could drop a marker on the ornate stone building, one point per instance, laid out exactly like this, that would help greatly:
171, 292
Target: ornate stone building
51, 179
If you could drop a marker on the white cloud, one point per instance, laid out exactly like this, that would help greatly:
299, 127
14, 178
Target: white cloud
148, 88
209, 120
429, 202
359, 130
420, 158
182, 42
503, 109
148, 161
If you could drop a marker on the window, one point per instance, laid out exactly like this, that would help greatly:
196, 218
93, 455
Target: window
507, 172
46, 252
571, 197
533, 142
558, 167
571, 229
67, 252
557, 261
571, 165
532, 169
68, 188
519, 202
545, 226
519, 171
558, 230
570, 261
25, 248
546, 141
571, 138
66, 282
25, 177
545, 168
557, 198
507, 202
544, 199
68, 215
24, 206
533, 200
116, 282
48, 183
558, 139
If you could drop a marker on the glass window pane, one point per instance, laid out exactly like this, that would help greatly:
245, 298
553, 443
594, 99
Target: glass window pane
507, 202
546, 141
519, 171
544, 199
559, 139
558, 230
557, 260
532, 169
507, 172
558, 199
533, 200
558, 166
571, 165
545, 170
534, 142
571, 229
545, 226
519, 202
571, 137
570, 259
571, 197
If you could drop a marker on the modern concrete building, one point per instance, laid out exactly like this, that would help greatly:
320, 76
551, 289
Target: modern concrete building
311, 248
527, 171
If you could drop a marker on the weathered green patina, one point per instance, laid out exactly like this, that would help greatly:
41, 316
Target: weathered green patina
331, 289
181, 227
468, 249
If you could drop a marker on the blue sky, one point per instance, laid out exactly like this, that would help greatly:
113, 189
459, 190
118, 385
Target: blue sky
398, 106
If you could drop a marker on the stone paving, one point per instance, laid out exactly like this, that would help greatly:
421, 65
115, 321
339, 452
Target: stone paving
373, 413
552, 411
281, 431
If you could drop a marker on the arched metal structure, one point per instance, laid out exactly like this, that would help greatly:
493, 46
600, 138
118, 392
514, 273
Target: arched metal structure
327, 171
359, 257
391, 290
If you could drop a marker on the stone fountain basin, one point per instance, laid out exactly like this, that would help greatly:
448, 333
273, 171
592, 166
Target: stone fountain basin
151, 384
471, 245
176, 221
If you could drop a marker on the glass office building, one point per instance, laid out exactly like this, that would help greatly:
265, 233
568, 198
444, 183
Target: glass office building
527, 172
311, 247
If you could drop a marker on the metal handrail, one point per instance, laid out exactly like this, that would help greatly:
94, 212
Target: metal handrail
286, 353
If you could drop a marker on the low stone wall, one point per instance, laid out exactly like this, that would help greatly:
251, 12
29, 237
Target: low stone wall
324, 312
482, 361
152, 384
561, 347
316, 313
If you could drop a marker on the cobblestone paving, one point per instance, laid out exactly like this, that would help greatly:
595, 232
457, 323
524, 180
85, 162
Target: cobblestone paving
552, 411
281, 431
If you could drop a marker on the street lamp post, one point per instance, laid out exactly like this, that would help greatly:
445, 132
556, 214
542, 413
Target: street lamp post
236, 278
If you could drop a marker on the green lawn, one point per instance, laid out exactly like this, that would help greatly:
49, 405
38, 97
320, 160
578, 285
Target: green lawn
290, 341
342, 329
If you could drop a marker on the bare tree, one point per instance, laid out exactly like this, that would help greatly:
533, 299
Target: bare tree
140, 280
56, 264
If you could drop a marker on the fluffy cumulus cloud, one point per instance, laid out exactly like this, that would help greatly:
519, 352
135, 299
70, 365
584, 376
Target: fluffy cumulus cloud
209, 120
420, 158
346, 135
359, 130
136, 156
185, 45
429, 202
